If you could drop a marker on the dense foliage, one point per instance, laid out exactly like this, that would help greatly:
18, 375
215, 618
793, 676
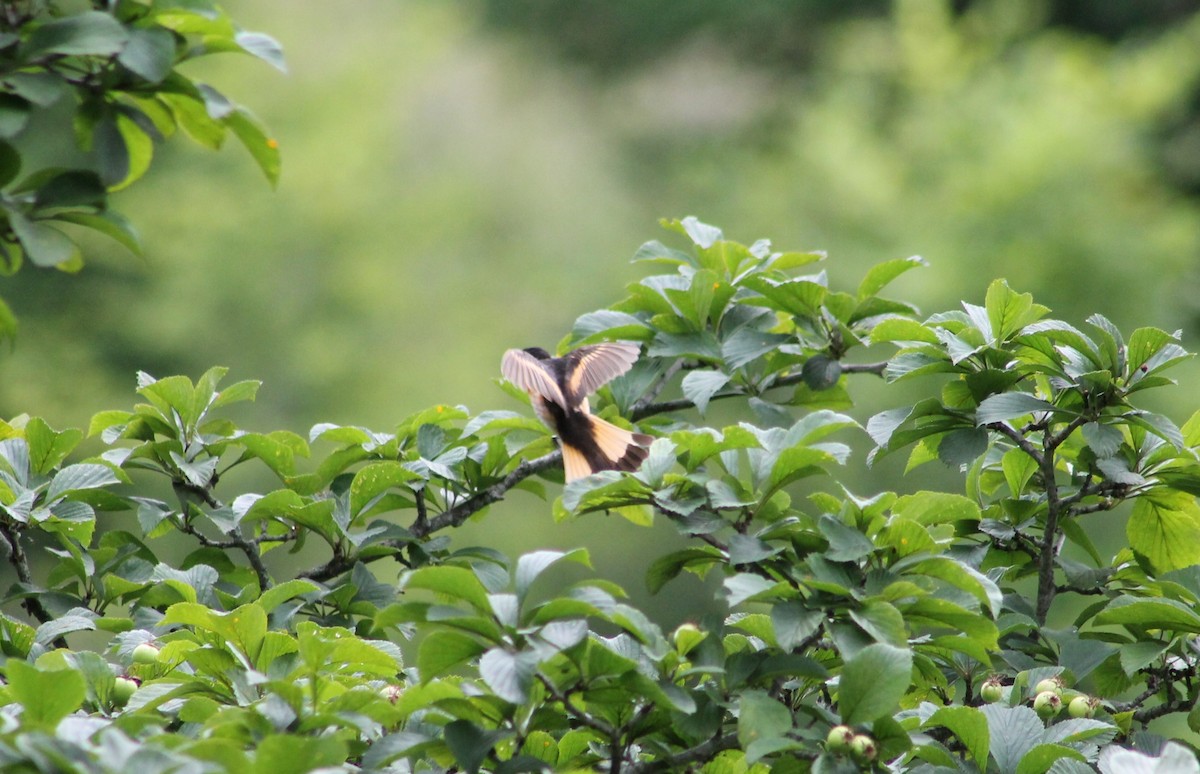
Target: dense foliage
934, 631
112, 76
195, 595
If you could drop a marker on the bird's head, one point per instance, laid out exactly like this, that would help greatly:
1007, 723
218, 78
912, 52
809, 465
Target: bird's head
539, 353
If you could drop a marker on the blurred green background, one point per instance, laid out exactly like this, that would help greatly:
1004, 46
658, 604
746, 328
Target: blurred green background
463, 177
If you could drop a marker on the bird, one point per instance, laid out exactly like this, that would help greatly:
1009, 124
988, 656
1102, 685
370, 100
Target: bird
558, 388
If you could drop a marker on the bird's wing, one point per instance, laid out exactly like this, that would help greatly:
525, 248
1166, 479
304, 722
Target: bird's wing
528, 373
590, 368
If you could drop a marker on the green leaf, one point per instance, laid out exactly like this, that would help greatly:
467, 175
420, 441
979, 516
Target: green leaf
880, 275
929, 508
442, 651
455, 582
277, 595
963, 446
801, 296
962, 577
793, 623
702, 234
881, 621
761, 717
138, 152
846, 544
1009, 405
245, 390
89, 33
14, 116
469, 744
970, 726
375, 479
531, 565
1013, 732
295, 754
46, 697
263, 148
111, 224
1150, 614
1008, 311
902, 329
700, 385
509, 675
1164, 530
47, 448
78, 477
668, 566
1042, 757
873, 682
150, 53
45, 245
10, 163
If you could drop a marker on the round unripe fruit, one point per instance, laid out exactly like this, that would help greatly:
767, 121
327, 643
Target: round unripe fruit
1047, 704
1052, 684
1082, 707
992, 690
123, 689
391, 692
839, 739
145, 654
863, 748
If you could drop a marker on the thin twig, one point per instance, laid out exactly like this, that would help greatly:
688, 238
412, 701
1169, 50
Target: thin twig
20, 562
701, 752
655, 389
641, 411
236, 540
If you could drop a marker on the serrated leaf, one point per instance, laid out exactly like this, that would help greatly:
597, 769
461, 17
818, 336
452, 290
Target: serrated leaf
873, 682
793, 623
970, 726
531, 565
442, 651
509, 675
1150, 614
1164, 529
48, 447
880, 275
701, 385
1009, 405
79, 477
46, 697
761, 717
455, 582
1013, 732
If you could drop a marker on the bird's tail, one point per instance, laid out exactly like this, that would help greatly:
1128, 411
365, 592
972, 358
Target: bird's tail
612, 448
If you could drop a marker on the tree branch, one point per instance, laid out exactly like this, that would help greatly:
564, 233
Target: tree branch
20, 563
678, 761
643, 410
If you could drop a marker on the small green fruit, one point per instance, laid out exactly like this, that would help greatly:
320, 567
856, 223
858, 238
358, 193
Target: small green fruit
1047, 704
1082, 706
145, 654
1053, 684
123, 689
839, 739
863, 748
992, 690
